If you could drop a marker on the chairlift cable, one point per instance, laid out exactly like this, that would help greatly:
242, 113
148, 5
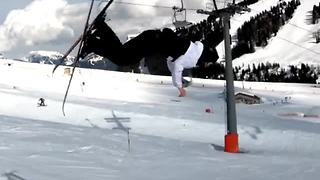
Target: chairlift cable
153, 6
141, 4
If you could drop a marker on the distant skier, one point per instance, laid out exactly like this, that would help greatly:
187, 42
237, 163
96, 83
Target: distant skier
181, 53
41, 102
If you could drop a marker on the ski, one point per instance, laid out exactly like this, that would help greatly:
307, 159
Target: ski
81, 37
81, 40
78, 56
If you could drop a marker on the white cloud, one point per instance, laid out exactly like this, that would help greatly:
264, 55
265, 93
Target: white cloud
55, 24
40, 22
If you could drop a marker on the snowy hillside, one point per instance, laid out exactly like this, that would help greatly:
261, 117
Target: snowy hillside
47, 57
122, 126
53, 57
294, 42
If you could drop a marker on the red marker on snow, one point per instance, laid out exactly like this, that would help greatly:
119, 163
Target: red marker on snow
209, 110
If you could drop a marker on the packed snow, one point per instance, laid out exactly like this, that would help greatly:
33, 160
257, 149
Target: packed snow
133, 126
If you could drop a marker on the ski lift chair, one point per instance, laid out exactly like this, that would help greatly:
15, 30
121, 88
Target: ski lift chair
182, 14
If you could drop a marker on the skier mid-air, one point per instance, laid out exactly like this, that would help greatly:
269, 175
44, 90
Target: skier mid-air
180, 53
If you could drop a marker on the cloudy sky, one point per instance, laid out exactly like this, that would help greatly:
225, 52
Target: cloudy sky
53, 25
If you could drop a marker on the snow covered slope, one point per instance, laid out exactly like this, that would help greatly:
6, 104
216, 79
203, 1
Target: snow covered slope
170, 137
47, 57
294, 42
52, 57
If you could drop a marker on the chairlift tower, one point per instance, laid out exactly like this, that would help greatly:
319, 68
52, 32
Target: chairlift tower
231, 138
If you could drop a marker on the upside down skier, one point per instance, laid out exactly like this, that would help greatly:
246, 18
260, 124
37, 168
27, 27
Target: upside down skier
180, 53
